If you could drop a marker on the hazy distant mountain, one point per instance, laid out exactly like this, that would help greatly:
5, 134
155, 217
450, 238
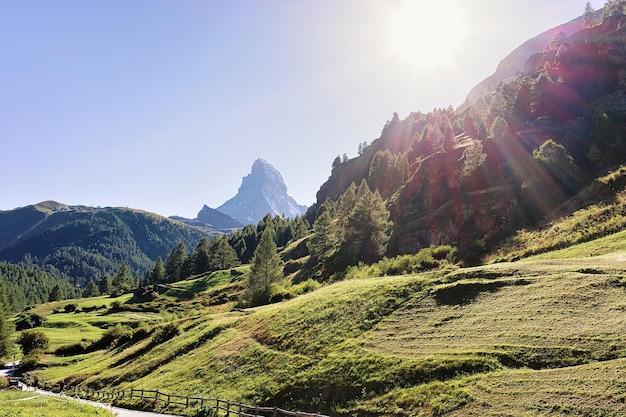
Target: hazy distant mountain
211, 220
87, 242
261, 192
517, 59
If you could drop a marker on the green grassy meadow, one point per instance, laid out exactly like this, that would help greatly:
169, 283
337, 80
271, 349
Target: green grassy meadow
29, 404
541, 336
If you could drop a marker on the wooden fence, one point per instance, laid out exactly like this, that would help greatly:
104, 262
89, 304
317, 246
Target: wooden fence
220, 406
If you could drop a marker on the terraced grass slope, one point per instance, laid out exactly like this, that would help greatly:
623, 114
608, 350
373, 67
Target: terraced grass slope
539, 337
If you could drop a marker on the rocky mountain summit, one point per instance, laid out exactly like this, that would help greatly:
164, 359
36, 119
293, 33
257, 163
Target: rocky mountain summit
261, 192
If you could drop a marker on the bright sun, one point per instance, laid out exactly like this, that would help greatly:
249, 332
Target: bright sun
424, 35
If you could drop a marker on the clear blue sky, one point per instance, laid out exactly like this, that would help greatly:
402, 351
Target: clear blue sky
163, 105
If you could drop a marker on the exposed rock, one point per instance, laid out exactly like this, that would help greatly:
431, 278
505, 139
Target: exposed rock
261, 192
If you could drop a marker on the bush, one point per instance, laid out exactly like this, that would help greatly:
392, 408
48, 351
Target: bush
115, 336
309, 285
70, 308
165, 333
28, 321
71, 350
28, 362
32, 341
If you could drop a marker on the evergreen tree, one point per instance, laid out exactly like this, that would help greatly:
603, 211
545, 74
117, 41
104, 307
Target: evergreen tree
55, 294
266, 269
200, 257
5, 324
157, 275
222, 255
499, 129
589, 19
175, 263
105, 286
123, 280
245, 242
298, 228
323, 243
559, 164
367, 227
337, 162
91, 290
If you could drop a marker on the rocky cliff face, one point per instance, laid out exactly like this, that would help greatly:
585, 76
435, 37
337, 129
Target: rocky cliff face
261, 192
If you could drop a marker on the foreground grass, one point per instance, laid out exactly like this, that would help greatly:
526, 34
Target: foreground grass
459, 342
546, 336
585, 225
29, 404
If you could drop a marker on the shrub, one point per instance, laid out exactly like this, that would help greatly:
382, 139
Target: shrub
164, 333
28, 321
309, 285
116, 305
71, 350
70, 308
115, 336
32, 341
28, 362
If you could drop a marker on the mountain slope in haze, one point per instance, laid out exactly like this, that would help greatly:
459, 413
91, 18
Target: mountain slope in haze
211, 221
86, 242
516, 60
472, 177
261, 192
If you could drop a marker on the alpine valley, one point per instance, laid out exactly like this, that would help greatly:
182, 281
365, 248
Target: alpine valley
469, 262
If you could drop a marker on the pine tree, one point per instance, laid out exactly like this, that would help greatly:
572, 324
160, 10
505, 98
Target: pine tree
123, 280
55, 294
323, 243
105, 285
175, 262
367, 227
200, 258
589, 19
91, 290
157, 275
222, 255
266, 269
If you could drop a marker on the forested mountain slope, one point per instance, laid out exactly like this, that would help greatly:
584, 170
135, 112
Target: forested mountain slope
472, 177
87, 243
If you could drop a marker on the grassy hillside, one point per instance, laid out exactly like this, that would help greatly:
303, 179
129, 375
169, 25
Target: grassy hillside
544, 335
29, 404
524, 338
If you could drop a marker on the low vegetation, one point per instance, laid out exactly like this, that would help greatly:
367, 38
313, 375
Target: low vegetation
547, 336
35, 405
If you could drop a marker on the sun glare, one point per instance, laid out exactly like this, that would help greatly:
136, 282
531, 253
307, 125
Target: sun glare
424, 35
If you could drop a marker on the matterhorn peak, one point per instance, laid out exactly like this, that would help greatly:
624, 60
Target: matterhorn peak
261, 192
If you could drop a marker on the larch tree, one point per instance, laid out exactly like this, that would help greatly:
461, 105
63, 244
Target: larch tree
175, 263
367, 227
56, 294
105, 285
200, 259
222, 255
266, 269
123, 280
